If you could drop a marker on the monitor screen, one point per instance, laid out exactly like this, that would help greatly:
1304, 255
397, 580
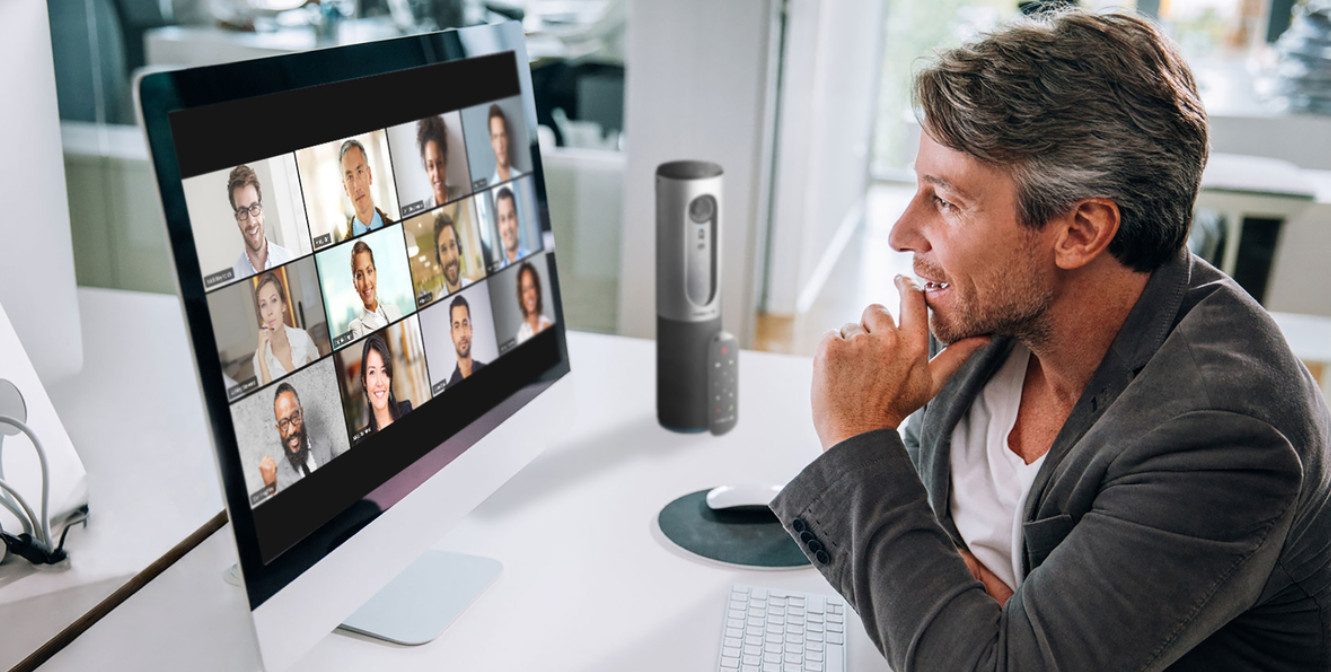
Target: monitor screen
368, 270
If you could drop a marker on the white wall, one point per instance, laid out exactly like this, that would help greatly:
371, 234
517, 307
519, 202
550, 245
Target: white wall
698, 74
828, 94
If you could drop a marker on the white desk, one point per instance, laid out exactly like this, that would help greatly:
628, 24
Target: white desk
134, 415
587, 584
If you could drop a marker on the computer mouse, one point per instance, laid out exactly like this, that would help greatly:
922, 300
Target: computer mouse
744, 496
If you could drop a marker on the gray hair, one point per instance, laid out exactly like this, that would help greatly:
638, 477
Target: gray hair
346, 147
1078, 105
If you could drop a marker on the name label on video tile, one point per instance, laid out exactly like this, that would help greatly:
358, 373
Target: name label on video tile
219, 277
412, 208
438, 388
343, 340
323, 241
242, 389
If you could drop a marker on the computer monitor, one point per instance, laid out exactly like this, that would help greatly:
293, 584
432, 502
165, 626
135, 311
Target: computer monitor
366, 268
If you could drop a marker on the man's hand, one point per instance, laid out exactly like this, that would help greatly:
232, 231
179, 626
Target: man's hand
268, 471
874, 374
992, 584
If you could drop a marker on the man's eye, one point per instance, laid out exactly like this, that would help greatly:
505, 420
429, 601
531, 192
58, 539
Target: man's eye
942, 204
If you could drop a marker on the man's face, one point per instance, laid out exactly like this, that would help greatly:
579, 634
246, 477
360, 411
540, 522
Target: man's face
249, 216
356, 181
508, 226
362, 274
985, 272
461, 331
436, 168
290, 422
448, 255
499, 141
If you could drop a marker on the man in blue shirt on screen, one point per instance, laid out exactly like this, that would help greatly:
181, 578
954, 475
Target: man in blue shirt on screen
357, 180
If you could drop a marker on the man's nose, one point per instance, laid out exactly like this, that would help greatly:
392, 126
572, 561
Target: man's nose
906, 235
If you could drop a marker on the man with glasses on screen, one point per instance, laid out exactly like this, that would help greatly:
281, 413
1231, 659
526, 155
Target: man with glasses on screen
246, 196
300, 453
459, 313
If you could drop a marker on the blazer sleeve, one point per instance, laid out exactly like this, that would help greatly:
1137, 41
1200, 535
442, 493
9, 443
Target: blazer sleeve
1184, 532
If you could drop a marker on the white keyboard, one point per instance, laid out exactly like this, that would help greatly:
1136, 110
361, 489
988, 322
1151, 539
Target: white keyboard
772, 630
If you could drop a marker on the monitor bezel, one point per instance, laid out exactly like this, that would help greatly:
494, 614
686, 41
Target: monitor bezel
160, 94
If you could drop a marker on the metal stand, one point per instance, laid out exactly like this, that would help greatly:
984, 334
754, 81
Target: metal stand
425, 598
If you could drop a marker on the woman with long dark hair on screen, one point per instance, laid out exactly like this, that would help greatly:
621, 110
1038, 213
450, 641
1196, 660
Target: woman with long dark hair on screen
282, 348
529, 300
376, 378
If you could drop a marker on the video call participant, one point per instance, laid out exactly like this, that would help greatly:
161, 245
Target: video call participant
357, 180
432, 139
246, 196
376, 378
459, 314
499, 136
506, 208
282, 348
301, 454
376, 315
448, 253
529, 300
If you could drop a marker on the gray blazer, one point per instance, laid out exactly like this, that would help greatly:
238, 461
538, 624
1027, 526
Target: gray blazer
1181, 520
287, 472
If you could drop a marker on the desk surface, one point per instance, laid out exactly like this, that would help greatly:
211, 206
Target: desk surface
588, 581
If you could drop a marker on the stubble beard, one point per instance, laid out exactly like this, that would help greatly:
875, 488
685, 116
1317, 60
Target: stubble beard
1018, 308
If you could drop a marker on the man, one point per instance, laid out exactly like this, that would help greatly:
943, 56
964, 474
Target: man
432, 140
506, 209
1117, 464
300, 453
498, 123
459, 313
357, 180
246, 196
448, 253
375, 314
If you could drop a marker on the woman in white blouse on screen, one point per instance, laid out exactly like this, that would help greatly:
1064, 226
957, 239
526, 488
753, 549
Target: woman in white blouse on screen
282, 349
529, 300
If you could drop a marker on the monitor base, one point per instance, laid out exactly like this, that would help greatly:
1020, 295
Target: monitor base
425, 598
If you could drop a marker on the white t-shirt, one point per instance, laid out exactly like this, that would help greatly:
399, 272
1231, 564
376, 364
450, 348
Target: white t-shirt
989, 480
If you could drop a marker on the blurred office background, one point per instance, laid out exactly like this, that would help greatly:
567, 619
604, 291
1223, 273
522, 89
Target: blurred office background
805, 103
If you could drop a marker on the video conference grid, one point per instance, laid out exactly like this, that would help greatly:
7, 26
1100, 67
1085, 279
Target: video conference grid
391, 239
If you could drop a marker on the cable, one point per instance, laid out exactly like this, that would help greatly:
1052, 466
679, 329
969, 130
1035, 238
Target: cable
27, 509
45, 523
8, 501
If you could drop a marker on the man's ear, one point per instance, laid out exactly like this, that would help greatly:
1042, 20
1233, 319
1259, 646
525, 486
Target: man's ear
1084, 233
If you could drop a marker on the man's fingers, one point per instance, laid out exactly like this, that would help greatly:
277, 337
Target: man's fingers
914, 312
876, 319
945, 364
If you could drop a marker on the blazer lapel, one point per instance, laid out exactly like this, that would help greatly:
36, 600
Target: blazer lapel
941, 417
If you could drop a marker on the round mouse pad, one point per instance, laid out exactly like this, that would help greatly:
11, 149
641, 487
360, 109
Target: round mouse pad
753, 538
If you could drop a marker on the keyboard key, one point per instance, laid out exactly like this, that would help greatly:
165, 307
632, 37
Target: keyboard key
758, 593
836, 627
754, 650
771, 656
814, 646
836, 659
730, 651
732, 642
835, 638
751, 660
729, 663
